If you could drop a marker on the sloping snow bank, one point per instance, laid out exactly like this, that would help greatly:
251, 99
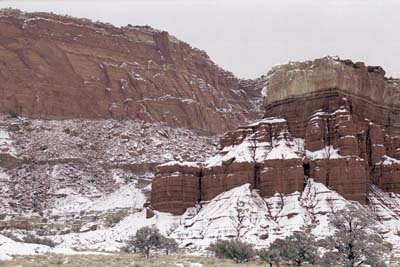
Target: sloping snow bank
111, 239
242, 212
127, 196
10, 248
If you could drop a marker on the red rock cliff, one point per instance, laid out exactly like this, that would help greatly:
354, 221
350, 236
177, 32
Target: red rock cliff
335, 121
57, 67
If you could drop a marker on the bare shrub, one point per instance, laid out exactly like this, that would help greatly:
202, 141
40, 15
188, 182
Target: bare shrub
235, 250
30, 238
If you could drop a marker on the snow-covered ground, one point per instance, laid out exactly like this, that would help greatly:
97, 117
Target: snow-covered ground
10, 248
122, 184
109, 141
242, 212
127, 196
83, 175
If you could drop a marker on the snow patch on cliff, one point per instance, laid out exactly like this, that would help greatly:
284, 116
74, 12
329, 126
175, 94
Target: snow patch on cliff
6, 143
182, 163
281, 146
329, 152
386, 160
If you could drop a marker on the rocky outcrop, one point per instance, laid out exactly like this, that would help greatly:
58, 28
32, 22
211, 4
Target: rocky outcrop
262, 154
386, 175
296, 90
8, 157
298, 79
332, 120
176, 187
57, 67
15, 224
354, 111
283, 176
347, 176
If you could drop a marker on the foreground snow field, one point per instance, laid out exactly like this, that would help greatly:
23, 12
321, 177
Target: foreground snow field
240, 212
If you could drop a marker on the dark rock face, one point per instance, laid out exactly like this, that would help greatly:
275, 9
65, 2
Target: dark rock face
56, 67
316, 126
176, 187
348, 177
222, 178
283, 176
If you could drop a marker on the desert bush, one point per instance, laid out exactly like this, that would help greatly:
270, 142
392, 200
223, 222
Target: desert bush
235, 250
113, 219
12, 236
30, 238
148, 238
298, 248
270, 255
169, 245
13, 114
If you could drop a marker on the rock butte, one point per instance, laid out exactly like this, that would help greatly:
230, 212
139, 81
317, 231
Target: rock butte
329, 119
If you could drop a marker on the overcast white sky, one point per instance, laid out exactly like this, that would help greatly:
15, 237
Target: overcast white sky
249, 37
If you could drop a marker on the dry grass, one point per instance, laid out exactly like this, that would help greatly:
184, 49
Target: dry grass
122, 260
130, 260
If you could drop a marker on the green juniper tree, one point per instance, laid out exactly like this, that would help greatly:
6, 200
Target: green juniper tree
298, 248
355, 242
144, 240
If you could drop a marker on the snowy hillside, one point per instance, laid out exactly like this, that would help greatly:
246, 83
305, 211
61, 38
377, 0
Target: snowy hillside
77, 162
240, 212
80, 212
82, 177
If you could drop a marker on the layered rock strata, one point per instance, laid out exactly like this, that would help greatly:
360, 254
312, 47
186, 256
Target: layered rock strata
176, 186
332, 120
252, 154
57, 67
296, 90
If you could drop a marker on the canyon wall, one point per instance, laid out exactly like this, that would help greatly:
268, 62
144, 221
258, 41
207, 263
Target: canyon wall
330, 120
58, 67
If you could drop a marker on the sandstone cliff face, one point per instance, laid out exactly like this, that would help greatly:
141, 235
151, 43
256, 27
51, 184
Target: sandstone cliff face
298, 89
315, 126
263, 154
176, 187
356, 79
56, 67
